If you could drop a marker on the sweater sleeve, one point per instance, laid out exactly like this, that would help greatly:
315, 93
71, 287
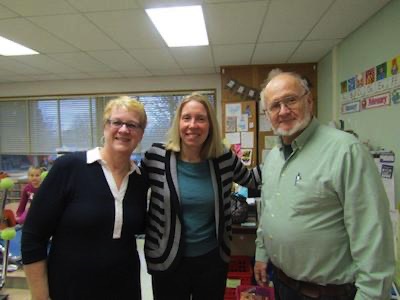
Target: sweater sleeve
250, 178
47, 209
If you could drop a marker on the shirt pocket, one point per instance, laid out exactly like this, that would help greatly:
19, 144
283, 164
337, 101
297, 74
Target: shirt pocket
311, 195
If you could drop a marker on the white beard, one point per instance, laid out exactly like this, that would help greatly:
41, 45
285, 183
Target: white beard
298, 126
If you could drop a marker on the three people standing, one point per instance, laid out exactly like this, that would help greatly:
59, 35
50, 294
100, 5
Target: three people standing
322, 204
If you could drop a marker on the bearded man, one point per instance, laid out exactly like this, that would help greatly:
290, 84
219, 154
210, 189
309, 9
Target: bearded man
325, 226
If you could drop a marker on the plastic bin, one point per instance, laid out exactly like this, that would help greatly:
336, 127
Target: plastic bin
266, 292
240, 272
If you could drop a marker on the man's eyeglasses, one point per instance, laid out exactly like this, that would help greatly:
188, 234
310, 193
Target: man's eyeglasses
290, 102
117, 124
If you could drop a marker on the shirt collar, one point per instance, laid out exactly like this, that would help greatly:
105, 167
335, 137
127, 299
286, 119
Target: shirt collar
94, 155
302, 139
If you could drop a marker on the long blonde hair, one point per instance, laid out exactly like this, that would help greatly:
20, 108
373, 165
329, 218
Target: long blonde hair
213, 146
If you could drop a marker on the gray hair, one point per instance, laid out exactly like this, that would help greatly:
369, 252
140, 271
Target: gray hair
275, 72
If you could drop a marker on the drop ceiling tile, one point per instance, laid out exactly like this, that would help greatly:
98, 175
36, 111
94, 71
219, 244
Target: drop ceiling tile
17, 78
45, 63
273, 53
8, 63
130, 28
102, 5
289, 20
77, 31
118, 60
38, 7
80, 61
6, 13
313, 51
239, 54
193, 57
341, 19
233, 23
191, 71
154, 58
24, 32
74, 76
44, 77
5, 72
107, 28
168, 72
105, 75
136, 73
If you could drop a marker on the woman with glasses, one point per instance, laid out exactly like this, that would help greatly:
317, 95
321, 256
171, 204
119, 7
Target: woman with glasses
91, 205
188, 232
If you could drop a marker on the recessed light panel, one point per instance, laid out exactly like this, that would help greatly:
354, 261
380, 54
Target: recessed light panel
180, 26
10, 48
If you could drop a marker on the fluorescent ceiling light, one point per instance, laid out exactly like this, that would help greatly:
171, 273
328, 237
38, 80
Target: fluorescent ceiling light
180, 26
10, 48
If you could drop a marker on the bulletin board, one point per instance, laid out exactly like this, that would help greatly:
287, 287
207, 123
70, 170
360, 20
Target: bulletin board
266, 137
244, 83
239, 128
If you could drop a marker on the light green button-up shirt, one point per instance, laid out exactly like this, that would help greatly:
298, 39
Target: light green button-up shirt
325, 214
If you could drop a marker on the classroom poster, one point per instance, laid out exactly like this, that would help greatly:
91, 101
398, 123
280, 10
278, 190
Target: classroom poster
264, 124
233, 110
246, 156
243, 123
247, 139
377, 86
370, 76
393, 64
230, 124
381, 71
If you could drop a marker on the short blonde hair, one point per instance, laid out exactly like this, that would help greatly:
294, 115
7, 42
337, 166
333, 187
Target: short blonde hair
213, 146
34, 168
128, 103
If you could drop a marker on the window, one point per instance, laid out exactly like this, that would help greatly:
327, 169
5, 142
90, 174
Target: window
33, 131
13, 127
78, 123
43, 120
160, 110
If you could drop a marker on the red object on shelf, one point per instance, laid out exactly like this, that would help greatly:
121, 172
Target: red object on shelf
266, 292
240, 271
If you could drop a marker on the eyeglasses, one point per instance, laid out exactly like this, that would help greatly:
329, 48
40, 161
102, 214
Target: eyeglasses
117, 124
290, 102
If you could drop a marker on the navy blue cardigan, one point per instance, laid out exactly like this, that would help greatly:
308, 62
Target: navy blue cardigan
75, 206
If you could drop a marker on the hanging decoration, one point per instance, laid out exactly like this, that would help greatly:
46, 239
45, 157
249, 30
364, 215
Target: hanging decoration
230, 84
242, 90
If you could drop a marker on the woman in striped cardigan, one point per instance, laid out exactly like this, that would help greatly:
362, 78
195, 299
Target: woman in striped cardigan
189, 221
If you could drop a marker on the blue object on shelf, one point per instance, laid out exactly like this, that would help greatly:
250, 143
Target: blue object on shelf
243, 191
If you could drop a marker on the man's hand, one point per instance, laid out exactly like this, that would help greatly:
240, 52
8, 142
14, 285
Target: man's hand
260, 273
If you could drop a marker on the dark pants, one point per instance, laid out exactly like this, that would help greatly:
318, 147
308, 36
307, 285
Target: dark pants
283, 292
202, 278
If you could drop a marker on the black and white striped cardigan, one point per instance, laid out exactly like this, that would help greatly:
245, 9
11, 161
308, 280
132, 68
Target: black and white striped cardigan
164, 227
